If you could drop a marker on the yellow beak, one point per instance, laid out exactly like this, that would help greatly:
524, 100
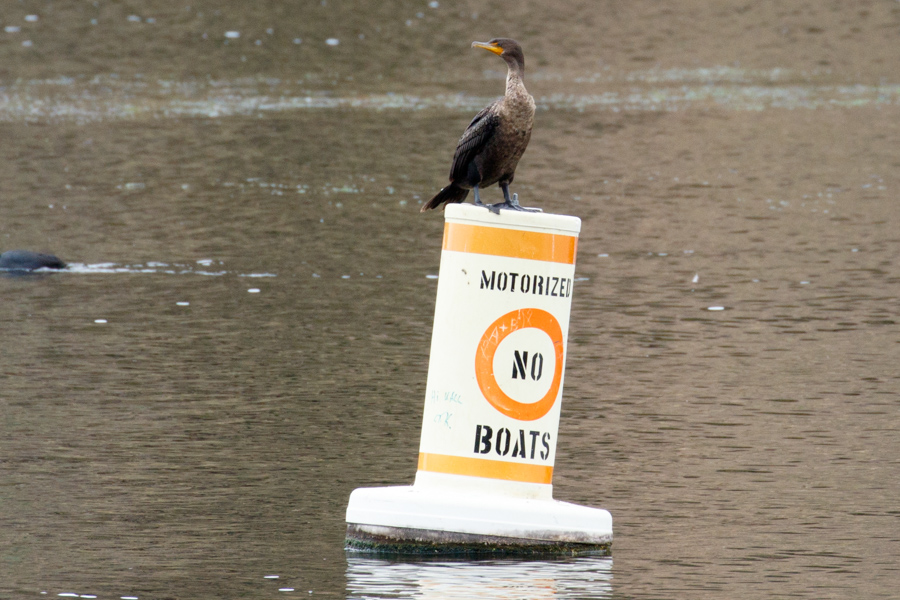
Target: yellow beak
490, 47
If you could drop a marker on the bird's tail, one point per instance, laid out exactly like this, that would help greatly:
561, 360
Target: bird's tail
451, 193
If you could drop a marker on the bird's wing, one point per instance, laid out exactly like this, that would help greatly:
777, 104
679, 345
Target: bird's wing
472, 141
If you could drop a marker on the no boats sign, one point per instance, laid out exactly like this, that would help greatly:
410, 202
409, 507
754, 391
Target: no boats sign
498, 350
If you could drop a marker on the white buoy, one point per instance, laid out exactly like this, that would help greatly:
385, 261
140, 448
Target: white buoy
492, 402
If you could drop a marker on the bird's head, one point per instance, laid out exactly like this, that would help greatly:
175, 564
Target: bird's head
508, 49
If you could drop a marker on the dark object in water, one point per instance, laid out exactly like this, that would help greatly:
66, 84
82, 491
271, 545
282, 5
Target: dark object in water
422, 543
25, 260
490, 148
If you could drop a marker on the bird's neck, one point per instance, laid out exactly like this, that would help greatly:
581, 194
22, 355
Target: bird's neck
515, 80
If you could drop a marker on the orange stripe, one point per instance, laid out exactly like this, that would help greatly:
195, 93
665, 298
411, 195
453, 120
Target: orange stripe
482, 467
514, 243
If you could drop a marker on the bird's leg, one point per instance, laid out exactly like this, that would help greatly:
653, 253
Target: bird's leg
510, 203
495, 208
478, 201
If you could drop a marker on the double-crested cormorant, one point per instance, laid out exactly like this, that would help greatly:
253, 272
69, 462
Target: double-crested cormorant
493, 143
26, 260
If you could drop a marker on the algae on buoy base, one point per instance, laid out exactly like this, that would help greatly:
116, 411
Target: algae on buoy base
425, 543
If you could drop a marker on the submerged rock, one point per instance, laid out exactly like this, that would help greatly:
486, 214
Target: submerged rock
25, 260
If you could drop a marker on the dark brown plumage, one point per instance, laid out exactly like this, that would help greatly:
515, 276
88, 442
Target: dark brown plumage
491, 146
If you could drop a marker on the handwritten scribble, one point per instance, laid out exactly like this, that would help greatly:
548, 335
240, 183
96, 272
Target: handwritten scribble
444, 419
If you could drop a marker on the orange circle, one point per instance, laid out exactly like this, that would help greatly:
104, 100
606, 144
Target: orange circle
484, 362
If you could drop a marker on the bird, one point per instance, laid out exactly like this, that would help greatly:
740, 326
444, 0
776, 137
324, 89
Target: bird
25, 260
491, 146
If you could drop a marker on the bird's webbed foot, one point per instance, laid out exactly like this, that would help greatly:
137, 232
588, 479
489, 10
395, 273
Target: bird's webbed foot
511, 204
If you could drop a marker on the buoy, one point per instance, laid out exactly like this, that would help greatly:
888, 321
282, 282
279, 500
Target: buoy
492, 401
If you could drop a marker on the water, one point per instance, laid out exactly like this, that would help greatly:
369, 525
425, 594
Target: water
731, 388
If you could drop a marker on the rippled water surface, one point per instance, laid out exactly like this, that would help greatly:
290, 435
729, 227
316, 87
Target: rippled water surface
242, 337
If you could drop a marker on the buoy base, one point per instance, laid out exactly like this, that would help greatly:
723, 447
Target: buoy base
411, 521
424, 542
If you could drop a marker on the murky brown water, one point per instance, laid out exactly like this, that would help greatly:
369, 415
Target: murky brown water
206, 436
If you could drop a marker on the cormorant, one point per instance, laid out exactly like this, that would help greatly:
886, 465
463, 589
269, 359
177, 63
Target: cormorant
26, 260
493, 143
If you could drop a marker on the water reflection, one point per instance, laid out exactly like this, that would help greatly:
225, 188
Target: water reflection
585, 577
206, 267
104, 98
